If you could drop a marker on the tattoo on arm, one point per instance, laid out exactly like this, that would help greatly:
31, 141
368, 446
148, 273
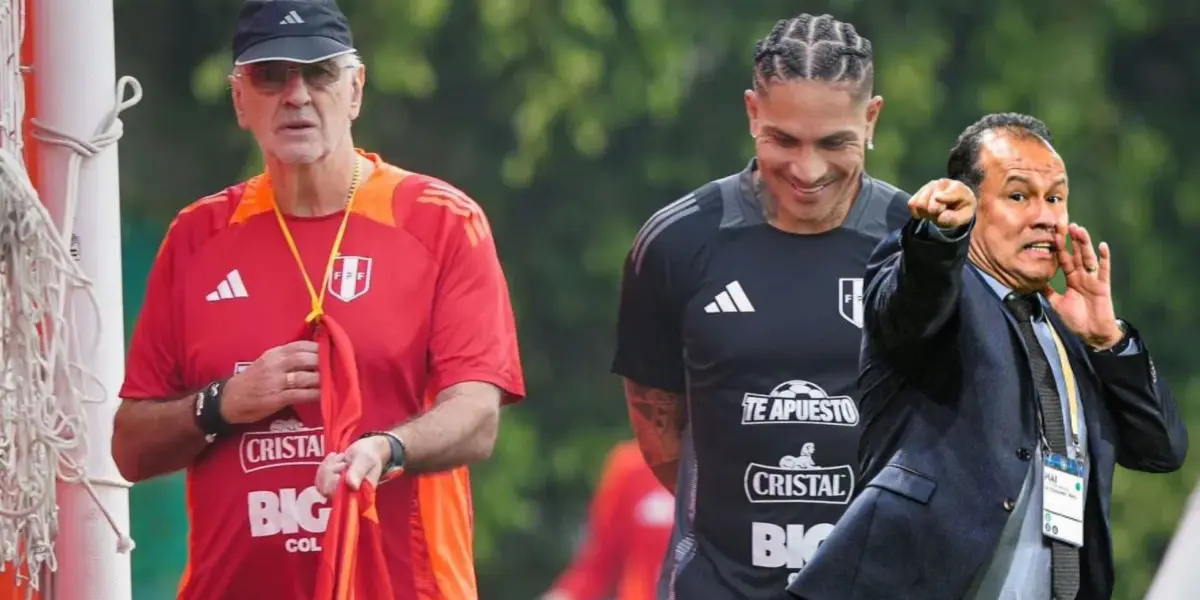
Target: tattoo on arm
658, 418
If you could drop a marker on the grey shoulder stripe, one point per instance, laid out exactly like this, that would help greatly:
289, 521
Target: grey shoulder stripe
658, 222
640, 252
664, 213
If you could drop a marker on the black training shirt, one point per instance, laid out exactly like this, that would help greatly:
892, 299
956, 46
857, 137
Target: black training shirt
761, 330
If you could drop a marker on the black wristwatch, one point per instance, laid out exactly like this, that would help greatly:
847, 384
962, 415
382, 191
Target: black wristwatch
396, 445
208, 411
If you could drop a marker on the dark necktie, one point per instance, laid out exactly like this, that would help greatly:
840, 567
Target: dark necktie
1064, 558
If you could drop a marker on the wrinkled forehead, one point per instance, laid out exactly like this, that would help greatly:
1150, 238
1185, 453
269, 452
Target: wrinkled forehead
811, 110
1005, 157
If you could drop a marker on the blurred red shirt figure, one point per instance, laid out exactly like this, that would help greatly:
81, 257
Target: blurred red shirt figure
628, 530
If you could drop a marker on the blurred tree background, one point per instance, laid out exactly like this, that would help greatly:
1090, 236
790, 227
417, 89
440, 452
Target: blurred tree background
572, 120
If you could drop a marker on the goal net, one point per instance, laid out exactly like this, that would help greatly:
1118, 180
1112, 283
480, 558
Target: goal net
49, 389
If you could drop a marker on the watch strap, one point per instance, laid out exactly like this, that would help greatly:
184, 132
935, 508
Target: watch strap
207, 411
1126, 338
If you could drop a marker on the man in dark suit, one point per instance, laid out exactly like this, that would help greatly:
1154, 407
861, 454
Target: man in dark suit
994, 406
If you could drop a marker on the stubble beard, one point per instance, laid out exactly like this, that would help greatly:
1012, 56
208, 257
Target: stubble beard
770, 206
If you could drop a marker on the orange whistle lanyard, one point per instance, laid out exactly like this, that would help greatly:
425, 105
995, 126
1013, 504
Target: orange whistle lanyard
318, 299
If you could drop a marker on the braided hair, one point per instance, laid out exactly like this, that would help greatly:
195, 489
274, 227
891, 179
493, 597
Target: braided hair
816, 48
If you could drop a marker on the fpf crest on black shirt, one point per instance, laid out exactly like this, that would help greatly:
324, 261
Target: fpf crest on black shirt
761, 330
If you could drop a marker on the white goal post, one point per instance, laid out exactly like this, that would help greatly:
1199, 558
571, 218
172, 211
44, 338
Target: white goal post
62, 341
1178, 576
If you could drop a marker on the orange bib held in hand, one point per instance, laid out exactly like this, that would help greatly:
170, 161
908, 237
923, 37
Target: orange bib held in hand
343, 573
352, 563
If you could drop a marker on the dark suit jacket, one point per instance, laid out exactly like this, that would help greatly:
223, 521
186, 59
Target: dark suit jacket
948, 407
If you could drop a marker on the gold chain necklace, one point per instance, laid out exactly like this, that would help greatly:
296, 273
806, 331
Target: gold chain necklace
318, 300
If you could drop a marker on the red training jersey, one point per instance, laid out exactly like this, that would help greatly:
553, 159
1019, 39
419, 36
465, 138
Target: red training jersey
629, 527
419, 290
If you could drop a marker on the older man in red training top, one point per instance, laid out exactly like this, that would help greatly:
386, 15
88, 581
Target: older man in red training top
223, 380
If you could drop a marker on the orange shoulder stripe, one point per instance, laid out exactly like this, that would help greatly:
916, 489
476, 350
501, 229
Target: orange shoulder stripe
451, 198
373, 199
256, 199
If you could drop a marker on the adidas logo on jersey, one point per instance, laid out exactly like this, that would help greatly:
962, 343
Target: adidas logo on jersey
732, 300
230, 287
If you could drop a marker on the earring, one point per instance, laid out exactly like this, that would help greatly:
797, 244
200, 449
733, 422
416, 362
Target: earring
870, 145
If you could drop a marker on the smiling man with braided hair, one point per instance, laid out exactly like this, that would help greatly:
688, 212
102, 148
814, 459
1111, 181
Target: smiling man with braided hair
740, 316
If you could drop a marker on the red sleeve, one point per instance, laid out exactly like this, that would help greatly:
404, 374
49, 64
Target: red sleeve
152, 369
474, 334
597, 565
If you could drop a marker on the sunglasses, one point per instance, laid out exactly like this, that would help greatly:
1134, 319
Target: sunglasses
272, 76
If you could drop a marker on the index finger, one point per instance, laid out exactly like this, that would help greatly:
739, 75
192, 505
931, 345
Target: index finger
961, 190
360, 468
299, 346
918, 201
1083, 241
1065, 261
301, 361
336, 462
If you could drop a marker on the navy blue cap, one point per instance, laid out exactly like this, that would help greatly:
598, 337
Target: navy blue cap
303, 31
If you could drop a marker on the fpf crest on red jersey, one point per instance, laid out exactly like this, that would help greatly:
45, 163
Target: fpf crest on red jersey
351, 277
474, 221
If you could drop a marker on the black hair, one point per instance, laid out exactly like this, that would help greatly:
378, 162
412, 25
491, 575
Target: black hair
963, 164
818, 48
